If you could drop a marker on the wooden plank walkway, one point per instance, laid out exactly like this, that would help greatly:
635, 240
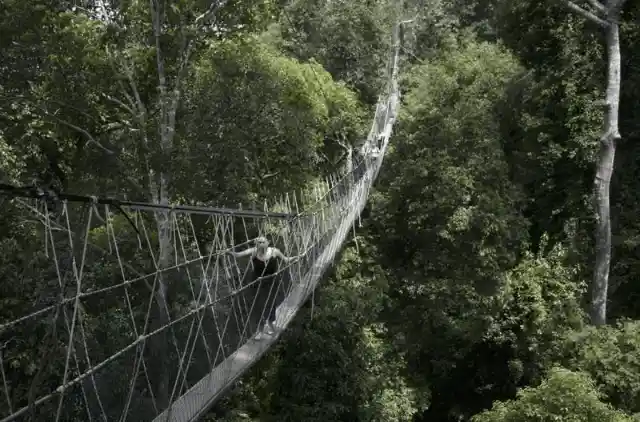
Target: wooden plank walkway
198, 399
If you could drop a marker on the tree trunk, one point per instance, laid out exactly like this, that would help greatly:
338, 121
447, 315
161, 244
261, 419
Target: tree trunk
160, 341
168, 102
602, 181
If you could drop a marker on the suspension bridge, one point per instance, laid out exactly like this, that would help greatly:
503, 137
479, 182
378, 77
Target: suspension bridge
125, 335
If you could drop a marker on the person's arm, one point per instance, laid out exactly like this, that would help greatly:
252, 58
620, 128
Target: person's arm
277, 253
246, 252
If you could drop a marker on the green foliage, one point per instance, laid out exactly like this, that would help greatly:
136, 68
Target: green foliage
610, 356
334, 362
351, 40
551, 119
82, 110
391, 398
446, 190
52, 113
11, 167
484, 191
564, 395
540, 305
260, 112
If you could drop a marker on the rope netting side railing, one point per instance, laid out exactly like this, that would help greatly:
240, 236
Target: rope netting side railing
325, 226
84, 334
82, 331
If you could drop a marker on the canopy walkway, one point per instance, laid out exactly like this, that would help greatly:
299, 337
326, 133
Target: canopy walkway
135, 330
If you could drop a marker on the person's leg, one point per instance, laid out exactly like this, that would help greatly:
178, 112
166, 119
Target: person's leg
279, 294
244, 314
264, 303
268, 305
256, 304
272, 315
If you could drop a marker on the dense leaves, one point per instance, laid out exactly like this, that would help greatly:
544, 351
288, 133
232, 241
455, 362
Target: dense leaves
565, 395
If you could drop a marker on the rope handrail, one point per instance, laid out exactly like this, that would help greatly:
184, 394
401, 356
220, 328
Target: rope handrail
35, 192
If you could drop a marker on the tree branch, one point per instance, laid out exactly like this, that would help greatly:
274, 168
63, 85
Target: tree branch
213, 7
341, 142
128, 72
269, 175
121, 104
75, 109
341, 158
90, 138
599, 7
114, 59
586, 14
136, 101
186, 51
187, 48
156, 18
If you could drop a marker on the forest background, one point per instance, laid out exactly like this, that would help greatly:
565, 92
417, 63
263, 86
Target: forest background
468, 285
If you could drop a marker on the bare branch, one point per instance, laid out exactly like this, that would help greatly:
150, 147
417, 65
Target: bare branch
90, 138
586, 14
341, 158
156, 18
75, 109
599, 7
340, 141
121, 104
187, 48
269, 176
186, 51
323, 156
215, 5
142, 110
129, 73
136, 107
6, 343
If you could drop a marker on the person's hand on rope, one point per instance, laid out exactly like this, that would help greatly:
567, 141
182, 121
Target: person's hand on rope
297, 258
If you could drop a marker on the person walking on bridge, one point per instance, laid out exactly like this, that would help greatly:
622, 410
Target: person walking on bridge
266, 272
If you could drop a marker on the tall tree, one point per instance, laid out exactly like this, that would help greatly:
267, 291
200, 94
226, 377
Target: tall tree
606, 16
162, 38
